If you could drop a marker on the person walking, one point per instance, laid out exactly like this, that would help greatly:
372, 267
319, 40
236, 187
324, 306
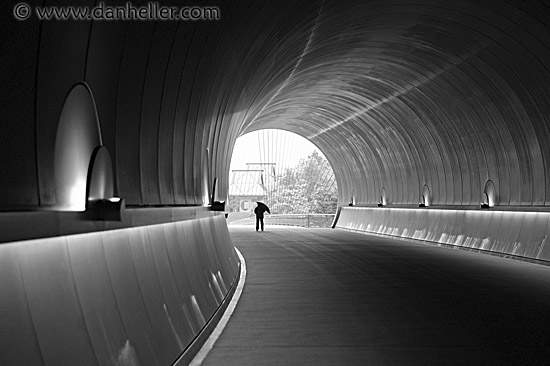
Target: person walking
259, 211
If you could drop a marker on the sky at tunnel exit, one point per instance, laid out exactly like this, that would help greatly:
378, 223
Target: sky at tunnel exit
283, 148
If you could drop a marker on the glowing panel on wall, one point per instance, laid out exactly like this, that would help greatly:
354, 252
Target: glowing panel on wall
78, 134
100, 175
490, 193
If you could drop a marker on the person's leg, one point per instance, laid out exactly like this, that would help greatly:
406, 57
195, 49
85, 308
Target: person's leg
262, 222
257, 223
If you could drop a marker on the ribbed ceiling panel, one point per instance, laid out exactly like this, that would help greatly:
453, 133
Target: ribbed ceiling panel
398, 94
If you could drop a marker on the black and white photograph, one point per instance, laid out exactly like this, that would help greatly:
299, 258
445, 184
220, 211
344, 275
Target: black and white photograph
274, 182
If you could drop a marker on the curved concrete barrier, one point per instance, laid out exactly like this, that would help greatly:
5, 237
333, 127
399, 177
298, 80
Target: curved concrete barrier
513, 233
127, 297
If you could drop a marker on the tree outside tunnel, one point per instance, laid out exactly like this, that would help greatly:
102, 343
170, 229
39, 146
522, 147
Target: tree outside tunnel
310, 187
285, 171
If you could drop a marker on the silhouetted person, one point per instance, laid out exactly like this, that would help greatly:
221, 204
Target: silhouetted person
259, 211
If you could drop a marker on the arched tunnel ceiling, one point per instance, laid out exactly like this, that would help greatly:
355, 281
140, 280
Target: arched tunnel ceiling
397, 94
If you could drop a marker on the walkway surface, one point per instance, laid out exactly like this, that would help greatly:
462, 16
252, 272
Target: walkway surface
332, 297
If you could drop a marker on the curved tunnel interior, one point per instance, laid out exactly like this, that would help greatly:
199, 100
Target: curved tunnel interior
397, 95
405, 96
413, 102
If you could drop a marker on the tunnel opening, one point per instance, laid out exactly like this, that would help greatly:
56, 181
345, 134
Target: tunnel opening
286, 172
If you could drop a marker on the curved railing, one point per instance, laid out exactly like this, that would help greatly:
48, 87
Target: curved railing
302, 220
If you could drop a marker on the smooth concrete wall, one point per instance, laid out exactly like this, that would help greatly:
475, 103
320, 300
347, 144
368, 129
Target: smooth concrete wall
134, 296
514, 233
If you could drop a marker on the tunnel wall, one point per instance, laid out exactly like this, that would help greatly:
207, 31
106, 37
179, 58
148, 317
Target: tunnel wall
402, 95
133, 296
158, 95
513, 233
396, 94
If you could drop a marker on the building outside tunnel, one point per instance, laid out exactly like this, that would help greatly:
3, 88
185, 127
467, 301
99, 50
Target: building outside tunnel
118, 129
288, 174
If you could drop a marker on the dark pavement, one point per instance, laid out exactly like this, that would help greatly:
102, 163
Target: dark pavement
332, 297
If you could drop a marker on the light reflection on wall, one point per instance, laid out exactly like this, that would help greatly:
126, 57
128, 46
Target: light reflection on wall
101, 181
516, 233
77, 135
469, 212
76, 192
